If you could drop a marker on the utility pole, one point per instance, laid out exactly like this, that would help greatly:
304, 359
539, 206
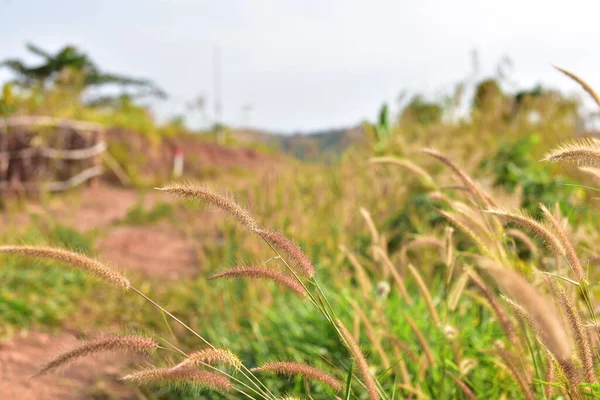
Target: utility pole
217, 90
245, 113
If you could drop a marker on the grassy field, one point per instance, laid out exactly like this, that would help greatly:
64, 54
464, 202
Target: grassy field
437, 260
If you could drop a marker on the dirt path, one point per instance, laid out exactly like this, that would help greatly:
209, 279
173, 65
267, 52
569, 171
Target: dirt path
101, 206
158, 251
22, 356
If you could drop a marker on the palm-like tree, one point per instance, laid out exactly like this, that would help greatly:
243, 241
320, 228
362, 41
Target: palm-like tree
69, 57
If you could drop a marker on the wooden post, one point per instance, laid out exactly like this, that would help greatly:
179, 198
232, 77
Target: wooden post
96, 160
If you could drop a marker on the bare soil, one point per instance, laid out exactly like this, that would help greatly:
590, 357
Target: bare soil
99, 207
87, 378
159, 251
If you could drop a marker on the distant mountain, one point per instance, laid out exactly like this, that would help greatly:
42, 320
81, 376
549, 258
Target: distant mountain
325, 145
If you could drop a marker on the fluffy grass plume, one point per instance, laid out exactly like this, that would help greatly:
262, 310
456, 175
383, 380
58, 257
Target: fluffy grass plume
422, 340
544, 317
591, 171
579, 151
582, 83
584, 347
81, 261
526, 240
211, 356
424, 176
399, 280
461, 224
517, 373
157, 376
361, 361
290, 249
279, 277
471, 186
214, 198
561, 234
464, 387
307, 371
525, 221
500, 313
130, 343
426, 295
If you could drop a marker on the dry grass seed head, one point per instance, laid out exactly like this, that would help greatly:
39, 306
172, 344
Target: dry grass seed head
463, 387
158, 376
135, 344
361, 275
584, 346
274, 275
361, 361
518, 374
563, 237
387, 263
209, 195
373, 337
289, 248
579, 151
526, 240
463, 226
500, 313
422, 341
544, 317
582, 83
591, 171
426, 295
424, 176
307, 371
572, 377
475, 191
87, 264
211, 356
524, 220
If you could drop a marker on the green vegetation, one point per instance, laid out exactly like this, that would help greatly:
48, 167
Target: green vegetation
416, 249
41, 293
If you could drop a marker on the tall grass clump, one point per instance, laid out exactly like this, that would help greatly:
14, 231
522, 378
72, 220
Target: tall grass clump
433, 299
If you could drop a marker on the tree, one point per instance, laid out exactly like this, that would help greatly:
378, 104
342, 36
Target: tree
422, 111
69, 58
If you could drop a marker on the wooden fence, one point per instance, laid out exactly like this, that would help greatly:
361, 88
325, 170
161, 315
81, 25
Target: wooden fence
47, 154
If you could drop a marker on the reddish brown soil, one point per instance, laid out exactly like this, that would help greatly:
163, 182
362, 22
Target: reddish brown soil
158, 251
101, 206
199, 156
22, 356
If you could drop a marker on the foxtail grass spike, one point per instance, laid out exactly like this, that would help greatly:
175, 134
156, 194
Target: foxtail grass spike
274, 275
584, 347
212, 197
211, 356
582, 83
471, 186
307, 371
360, 360
157, 376
290, 249
525, 221
87, 264
583, 152
563, 237
544, 317
135, 344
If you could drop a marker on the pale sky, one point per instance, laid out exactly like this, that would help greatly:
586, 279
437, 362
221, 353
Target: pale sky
312, 64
